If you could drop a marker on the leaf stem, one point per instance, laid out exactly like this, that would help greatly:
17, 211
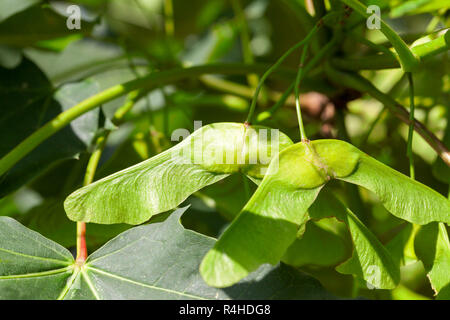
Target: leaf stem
408, 59
411, 125
92, 165
297, 93
274, 67
389, 60
151, 80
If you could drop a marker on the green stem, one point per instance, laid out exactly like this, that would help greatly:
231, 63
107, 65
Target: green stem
408, 59
169, 25
411, 125
247, 54
267, 114
297, 93
274, 67
323, 52
157, 78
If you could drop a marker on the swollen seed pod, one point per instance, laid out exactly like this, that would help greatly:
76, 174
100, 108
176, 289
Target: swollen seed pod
161, 183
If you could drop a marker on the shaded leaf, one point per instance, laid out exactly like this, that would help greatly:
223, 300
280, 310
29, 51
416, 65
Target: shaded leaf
322, 244
79, 59
370, 260
269, 222
27, 104
11, 7
432, 246
9, 57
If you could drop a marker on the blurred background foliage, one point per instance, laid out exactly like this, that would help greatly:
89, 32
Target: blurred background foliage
47, 68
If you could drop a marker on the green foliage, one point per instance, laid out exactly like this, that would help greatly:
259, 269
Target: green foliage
279, 208
164, 181
42, 269
432, 247
29, 101
95, 126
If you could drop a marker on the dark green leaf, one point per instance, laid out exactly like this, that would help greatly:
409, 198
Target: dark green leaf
155, 261
11, 7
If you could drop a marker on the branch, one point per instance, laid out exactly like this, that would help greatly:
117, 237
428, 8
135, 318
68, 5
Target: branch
357, 82
153, 79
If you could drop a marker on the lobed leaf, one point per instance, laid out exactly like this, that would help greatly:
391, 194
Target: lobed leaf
161, 183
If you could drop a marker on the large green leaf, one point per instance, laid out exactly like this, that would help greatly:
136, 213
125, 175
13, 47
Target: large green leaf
161, 183
155, 261
27, 104
269, 223
432, 246
36, 23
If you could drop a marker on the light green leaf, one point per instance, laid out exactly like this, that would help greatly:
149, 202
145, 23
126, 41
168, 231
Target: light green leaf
155, 261
403, 197
30, 265
269, 222
161, 183
11, 7
432, 246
